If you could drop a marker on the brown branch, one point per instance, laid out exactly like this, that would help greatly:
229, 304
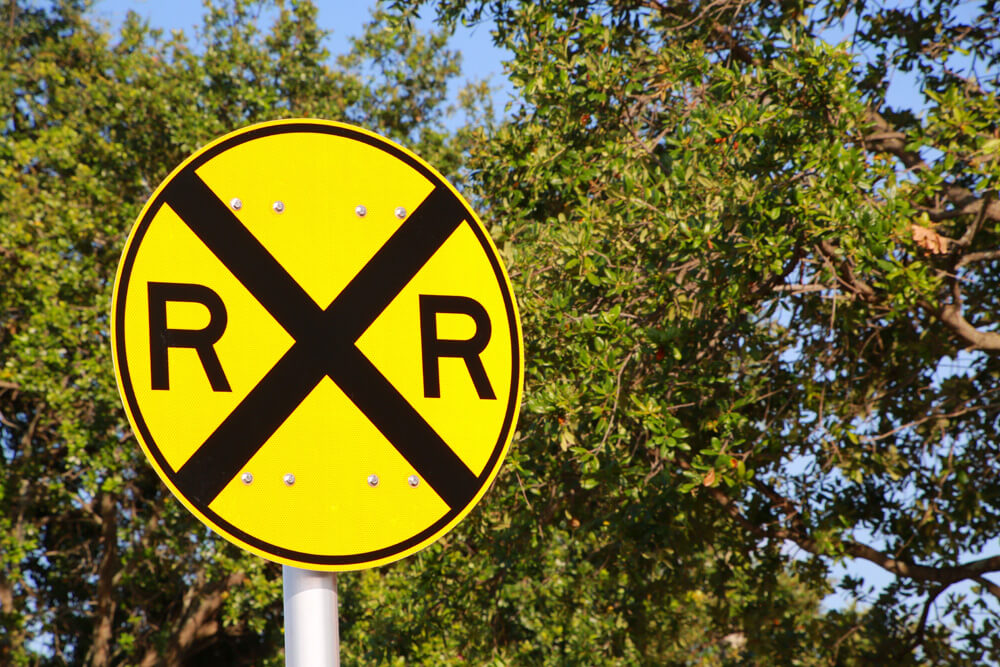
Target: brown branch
918, 634
618, 394
737, 50
10, 26
6, 594
100, 650
198, 623
803, 288
988, 585
951, 314
799, 535
884, 138
844, 273
840, 640
977, 224
14, 640
986, 410
945, 575
967, 203
972, 257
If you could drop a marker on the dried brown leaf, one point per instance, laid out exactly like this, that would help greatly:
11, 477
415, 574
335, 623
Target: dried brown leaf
929, 240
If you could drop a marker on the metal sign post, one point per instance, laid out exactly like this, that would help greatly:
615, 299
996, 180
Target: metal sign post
312, 632
351, 294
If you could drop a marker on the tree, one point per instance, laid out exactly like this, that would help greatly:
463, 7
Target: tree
760, 313
98, 564
758, 306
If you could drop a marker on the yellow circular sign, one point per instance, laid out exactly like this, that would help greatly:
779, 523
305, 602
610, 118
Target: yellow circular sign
317, 344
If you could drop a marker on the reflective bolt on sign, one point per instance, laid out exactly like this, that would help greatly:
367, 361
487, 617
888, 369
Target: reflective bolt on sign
317, 345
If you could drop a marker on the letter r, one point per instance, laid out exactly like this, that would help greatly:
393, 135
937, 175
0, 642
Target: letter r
161, 338
433, 348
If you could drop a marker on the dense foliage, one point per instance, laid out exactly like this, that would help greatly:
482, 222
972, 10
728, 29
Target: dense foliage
758, 295
760, 314
99, 564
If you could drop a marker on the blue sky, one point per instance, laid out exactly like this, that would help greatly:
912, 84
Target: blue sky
346, 18
343, 18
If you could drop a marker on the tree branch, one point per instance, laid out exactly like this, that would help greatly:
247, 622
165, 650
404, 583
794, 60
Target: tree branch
972, 257
988, 585
886, 139
918, 635
844, 273
800, 536
951, 314
977, 224
945, 575
100, 651
200, 620
802, 288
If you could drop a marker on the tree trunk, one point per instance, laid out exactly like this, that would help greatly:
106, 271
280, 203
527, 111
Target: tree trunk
101, 648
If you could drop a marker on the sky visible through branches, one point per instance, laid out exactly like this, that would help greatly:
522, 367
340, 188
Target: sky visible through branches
483, 60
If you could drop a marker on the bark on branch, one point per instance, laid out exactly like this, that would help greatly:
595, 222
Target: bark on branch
884, 138
199, 622
948, 574
988, 585
844, 271
100, 653
951, 314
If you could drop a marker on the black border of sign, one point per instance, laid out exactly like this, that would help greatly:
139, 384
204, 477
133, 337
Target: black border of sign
126, 381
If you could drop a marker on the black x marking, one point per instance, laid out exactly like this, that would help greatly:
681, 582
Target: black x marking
325, 343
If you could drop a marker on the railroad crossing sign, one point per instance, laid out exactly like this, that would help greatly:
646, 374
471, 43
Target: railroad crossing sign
317, 344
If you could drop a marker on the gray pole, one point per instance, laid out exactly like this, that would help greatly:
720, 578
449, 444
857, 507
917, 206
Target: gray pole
312, 634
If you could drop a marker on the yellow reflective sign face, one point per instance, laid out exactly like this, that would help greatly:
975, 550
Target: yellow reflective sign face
317, 345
